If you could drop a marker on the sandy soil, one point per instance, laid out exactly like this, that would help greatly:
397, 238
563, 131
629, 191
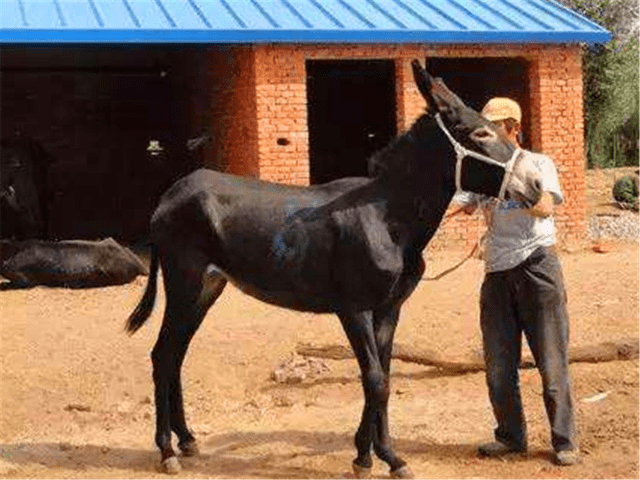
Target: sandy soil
76, 393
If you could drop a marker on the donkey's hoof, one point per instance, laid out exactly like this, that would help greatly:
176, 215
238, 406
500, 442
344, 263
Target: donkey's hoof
361, 472
402, 472
170, 465
189, 449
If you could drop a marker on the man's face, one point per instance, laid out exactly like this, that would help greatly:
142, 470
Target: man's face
510, 127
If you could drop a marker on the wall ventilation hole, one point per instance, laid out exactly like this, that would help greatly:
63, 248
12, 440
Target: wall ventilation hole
283, 141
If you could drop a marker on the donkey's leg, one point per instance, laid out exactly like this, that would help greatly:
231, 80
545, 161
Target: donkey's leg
359, 329
189, 296
161, 357
213, 285
385, 321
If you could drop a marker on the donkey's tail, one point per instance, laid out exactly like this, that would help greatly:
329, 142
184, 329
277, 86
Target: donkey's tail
145, 306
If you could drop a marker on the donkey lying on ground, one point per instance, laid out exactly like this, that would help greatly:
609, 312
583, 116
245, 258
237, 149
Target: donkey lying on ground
67, 263
352, 247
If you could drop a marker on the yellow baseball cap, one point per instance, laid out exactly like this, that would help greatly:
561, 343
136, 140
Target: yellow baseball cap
501, 108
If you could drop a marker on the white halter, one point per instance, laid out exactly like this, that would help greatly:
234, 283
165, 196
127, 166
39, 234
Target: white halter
462, 152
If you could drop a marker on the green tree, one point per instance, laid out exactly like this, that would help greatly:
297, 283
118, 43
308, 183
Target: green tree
611, 83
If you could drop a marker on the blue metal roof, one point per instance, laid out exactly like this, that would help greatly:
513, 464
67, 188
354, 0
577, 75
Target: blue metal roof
294, 21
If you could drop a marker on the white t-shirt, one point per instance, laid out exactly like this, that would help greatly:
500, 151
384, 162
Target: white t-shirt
512, 233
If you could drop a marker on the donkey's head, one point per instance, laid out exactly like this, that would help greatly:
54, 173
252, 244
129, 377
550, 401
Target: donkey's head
488, 162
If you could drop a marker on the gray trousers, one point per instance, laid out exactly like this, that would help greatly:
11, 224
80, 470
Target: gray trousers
529, 298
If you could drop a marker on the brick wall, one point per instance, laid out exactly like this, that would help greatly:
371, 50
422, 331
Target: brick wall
556, 80
282, 114
275, 146
231, 114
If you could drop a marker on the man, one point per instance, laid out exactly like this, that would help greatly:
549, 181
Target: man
523, 291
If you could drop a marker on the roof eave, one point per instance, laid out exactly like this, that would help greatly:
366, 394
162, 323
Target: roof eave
103, 35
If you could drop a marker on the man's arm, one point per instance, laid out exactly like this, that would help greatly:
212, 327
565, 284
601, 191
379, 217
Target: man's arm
551, 191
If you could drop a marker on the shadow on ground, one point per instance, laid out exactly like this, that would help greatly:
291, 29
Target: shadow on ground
235, 454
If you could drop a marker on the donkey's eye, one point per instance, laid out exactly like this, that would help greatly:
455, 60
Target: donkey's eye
482, 134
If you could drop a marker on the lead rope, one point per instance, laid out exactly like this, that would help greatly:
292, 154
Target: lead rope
473, 251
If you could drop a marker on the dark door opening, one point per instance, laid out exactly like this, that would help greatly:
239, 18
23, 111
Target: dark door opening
97, 124
114, 119
477, 80
352, 114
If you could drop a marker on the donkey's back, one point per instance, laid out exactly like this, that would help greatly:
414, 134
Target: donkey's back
278, 243
235, 191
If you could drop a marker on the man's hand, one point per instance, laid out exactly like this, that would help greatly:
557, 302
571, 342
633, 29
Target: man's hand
544, 207
470, 208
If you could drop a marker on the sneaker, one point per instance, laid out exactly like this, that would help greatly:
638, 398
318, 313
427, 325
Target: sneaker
567, 457
497, 449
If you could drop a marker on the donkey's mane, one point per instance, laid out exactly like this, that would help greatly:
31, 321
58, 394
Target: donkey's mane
398, 156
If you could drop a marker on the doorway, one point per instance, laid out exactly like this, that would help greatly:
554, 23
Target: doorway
477, 80
352, 114
115, 120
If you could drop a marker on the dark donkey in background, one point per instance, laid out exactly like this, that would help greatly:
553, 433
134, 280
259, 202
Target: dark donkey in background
352, 247
24, 193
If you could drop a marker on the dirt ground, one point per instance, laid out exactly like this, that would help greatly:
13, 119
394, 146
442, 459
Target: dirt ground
76, 392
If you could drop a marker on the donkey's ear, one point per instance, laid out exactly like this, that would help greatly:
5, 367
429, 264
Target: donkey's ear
422, 79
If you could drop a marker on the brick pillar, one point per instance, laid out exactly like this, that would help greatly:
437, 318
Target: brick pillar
409, 100
460, 230
232, 111
281, 90
558, 131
